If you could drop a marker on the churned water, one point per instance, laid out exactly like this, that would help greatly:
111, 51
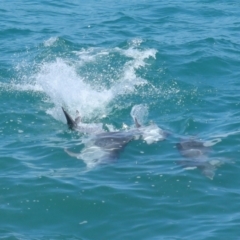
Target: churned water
172, 65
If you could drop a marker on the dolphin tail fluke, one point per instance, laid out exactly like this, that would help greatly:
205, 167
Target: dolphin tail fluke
70, 122
209, 173
208, 170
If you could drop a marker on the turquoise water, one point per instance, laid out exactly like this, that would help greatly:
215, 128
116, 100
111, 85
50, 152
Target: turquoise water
176, 62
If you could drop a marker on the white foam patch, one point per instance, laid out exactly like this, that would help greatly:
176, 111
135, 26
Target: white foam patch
137, 62
152, 133
212, 142
65, 82
139, 56
190, 168
49, 42
140, 113
86, 55
91, 154
64, 87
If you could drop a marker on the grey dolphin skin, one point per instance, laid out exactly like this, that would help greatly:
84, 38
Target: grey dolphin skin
192, 148
77, 125
102, 147
113, 143
197, 153
70, 122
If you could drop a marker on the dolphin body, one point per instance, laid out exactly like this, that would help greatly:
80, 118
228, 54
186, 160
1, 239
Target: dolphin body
77, 125
197, 153
105, 147
101, 147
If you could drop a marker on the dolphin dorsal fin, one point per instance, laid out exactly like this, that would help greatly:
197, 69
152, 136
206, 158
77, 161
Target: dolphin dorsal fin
70, 122
137, 123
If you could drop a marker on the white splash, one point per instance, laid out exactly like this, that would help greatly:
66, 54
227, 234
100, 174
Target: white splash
190, 168
140, 112
92, 156
212, 142
86, 55
65, 81
138, 61
152, 133
49, 42
65, 87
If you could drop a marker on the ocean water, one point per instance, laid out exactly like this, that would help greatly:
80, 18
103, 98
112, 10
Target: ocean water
174, 64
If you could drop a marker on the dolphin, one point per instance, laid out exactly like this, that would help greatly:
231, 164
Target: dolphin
197, 153
104, 147
101, 146
77, 125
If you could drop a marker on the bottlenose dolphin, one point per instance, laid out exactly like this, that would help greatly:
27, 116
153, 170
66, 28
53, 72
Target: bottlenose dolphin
103, 147
197, 153
100, 147
77, 125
